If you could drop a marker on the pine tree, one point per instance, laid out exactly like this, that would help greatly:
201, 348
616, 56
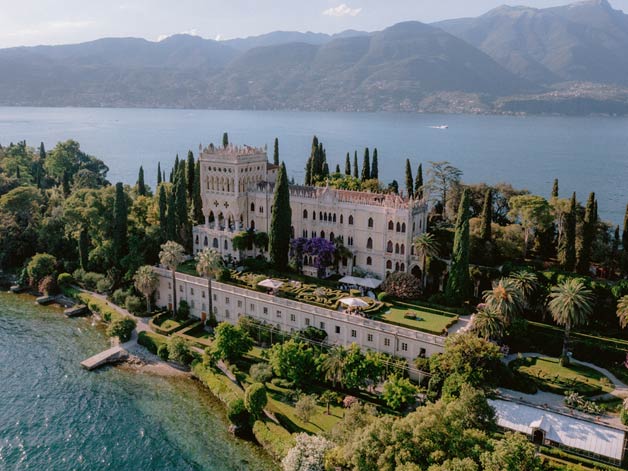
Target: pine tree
418, 183
159, 173
119, 241
348, 165
588, 235
459, 283
225, 140
171, 218
83, 246
189, 173
181, 212
409, 180
281, 222
163, 213
567, 253
356, 171
375, 166
197, 201
366, 165
487, 216
555, 188
276, 152
141, 186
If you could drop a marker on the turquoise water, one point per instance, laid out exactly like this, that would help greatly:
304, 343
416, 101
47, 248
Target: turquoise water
586, 154
56, 416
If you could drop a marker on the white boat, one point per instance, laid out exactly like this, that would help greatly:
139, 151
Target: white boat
442, 126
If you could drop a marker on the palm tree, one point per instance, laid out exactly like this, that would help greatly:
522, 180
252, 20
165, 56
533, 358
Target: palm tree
488, 323
209, 264
171, 256
622, 311
527, 282
340, 252
425, 245
505, 298
333, 365
146, 282
571, 304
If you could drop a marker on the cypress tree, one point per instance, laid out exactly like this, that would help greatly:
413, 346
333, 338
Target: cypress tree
394, 187
366, 165
42, 152
588, 236
568, 250
308, 172
624, 244
459, 282
158, 173
281, 222
276, 152
119, 237
83, 246
171, 218
375, 166
141, 186
418, 182
197, 201
555, 188
325, 170
356, 171
190, 174
487, 216
348, 165
163, 175
409, 180
163, 213
176, 166
225, 140
337, 168
181, 212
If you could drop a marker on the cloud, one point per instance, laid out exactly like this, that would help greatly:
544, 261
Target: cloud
190, 32
342, 10
70, 25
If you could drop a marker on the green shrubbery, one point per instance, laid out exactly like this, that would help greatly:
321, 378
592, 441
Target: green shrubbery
261, 372
275, 439
152, 341
65, 280
122, 328
134, 305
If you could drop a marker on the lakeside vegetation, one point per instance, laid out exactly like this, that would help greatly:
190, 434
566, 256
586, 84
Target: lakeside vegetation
521, 264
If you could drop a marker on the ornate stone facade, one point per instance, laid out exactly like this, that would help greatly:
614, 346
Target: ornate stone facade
237, 194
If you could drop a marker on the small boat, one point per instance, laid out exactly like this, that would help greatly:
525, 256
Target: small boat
442, 126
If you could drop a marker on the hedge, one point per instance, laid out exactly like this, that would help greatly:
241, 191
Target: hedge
223, 389
151, 341
576, 459
275, 439
155, 321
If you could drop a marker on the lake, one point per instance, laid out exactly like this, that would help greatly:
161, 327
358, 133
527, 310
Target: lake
586, 154
56, 416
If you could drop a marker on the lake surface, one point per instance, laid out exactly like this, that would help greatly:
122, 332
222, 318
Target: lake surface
586, 154
56, 416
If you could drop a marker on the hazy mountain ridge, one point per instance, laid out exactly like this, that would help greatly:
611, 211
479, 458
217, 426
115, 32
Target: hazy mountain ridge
567, 59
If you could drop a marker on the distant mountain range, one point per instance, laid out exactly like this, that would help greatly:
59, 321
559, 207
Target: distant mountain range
571, 59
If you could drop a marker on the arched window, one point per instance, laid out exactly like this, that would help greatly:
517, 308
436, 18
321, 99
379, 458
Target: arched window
331, 237
403, 227
252, 224
391, 226
396, 248
320, 215
389, 247
341, 218
205, 242
196, 239
369, 261
398, 227
402, 267
369, 243
226, 245
215, 243
351, 220
314, 215
261, 209
334, 217
370, 222
325, 217
322, 234
305, 214
252, 206
389, 265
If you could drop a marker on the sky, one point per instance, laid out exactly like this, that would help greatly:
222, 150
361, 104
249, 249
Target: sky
32, 22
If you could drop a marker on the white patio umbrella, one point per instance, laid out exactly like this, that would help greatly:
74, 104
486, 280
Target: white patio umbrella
354, 302
350, 280
370, 282
270, 283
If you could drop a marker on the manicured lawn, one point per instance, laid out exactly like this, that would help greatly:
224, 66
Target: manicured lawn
189, 268
425, 321
169, 324
549, 375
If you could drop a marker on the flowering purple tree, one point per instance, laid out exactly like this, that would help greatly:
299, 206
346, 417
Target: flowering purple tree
321, 250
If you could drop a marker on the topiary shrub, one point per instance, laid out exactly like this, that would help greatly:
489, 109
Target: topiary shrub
134, 305
383, 296
261, 372
237, 413
255, 399
402, 285
122, 328
162, 352
179, 351
65, 280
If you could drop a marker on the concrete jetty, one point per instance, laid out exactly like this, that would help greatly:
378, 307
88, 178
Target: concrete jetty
75, 311
113, 355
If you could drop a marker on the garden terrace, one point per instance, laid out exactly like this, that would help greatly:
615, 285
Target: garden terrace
549, 375
417, 317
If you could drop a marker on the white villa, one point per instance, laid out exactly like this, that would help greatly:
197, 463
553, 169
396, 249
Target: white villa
237, 193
